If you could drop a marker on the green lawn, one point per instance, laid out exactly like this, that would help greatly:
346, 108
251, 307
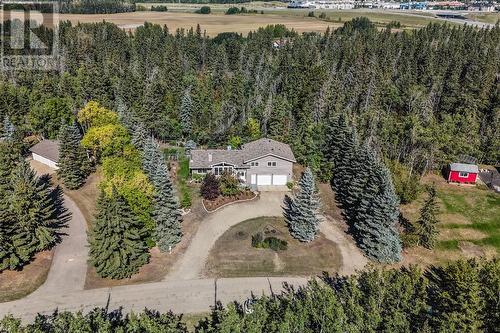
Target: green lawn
469, 223
480, 207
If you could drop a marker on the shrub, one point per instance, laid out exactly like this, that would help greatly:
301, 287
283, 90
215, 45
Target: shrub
289, 185
210, 188
273, 243
232, 11
322, 16
186, 197
229, 184
204, 10
160, 8
311, 14
257, 240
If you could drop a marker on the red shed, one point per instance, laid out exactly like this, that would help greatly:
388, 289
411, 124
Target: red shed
463, 173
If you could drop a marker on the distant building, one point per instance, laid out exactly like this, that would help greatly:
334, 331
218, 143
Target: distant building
481, 7
46, 152
463, 173
413, 5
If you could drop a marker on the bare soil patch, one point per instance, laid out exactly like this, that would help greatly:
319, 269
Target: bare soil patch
212, 205
18, 284
234, 256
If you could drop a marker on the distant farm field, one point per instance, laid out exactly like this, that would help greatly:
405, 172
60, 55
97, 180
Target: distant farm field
184, 16
213, 24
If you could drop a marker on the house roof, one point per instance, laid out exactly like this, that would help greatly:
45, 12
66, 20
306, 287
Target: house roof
264, 147
462, 167
48, 149
201, 158
239, 157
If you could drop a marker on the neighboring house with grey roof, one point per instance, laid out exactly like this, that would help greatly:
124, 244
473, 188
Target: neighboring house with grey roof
46, 152
257, 163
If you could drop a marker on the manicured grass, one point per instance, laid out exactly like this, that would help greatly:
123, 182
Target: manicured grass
234, 256
479, 207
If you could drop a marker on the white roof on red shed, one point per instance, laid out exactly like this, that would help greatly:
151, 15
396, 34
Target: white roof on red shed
462, 167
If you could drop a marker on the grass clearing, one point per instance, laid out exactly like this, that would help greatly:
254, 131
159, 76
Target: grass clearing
469, 223
234, 256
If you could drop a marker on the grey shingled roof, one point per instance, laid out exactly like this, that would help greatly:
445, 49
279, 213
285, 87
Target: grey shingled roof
200, 158
48, 149
263, 147
462, 167
238, 157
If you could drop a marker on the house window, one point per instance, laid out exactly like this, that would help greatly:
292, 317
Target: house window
254, 164
271, 164
463, 174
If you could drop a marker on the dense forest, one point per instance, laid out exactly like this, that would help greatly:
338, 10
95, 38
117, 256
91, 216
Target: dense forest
419, 98
459, 297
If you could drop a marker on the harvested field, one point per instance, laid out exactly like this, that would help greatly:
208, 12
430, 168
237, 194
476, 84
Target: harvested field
213, 24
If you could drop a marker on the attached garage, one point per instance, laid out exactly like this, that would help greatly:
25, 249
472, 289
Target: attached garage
263, 180
279, 179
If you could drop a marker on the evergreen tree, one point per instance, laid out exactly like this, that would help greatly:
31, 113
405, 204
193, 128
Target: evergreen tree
74, 165
375, 221
8, 129
117, 239
140, 136
151, 156
166, 211
36, 215
302, 211
426, 225
186, 112
10, 156
455, 297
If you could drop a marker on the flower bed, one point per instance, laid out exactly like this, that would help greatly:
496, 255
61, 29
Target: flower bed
211, 205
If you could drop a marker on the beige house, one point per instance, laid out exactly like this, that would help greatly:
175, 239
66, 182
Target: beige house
258, 163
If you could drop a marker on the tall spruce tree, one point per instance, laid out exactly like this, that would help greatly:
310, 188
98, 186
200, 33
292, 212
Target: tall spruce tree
36, 214
8, 129
166, 213
74, 165
186, 112
140, 136
426, 225
302, 211
10, 156
117, 239
376, 217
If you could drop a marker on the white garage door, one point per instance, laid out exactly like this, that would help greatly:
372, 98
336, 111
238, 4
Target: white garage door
279, 179
264, 179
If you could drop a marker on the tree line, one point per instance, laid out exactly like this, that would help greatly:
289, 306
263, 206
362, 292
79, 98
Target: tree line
461, 296
421, 98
